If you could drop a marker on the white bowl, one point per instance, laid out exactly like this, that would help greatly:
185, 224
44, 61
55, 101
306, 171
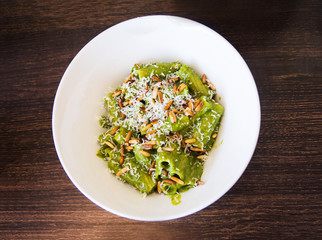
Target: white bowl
104, 63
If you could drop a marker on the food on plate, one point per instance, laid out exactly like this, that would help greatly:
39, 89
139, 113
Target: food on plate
161, 123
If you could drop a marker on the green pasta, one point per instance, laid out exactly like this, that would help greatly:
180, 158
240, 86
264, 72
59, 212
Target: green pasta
136, 176
194, 82
120, 135
160, 70
113, 109
161, 123
181, 122
204, 128
180, 165
144, 161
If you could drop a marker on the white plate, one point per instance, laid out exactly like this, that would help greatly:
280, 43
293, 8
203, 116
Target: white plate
104, 63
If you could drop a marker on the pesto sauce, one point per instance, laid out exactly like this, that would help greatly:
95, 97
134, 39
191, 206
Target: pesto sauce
192, 114
175, 199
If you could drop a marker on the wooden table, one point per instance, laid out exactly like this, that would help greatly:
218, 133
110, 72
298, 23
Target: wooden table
278, 196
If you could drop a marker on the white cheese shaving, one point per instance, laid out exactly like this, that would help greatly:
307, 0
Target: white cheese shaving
153, 109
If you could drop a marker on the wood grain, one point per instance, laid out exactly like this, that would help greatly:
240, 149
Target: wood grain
278, 196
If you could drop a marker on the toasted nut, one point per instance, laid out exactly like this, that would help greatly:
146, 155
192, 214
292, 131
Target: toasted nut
156, 79
151, 168
189, 113
196, 104
114, 130
170, 137
151, 142
120, 103
211, 86
121, 160
109, 144
202, 157
147, 146
126, 103
183, 143
117, 93
151, 132
214, 135
142, 109
144, 153
133, 141
122, 150
155, 92
160, 95
169, 181
159, 149
155, 122
131, 100
177, 180
123, 116
128, 78
146, 86
181, 87
123, 170
128, 136
175, 89
164, 172
168, 105
153, 101
191, 140
159, 187
176, 111
129, 148
174, 79
197, 149
190, 105
137, 64
169, 149
172, 117
139, 99
199, 182
177, 134
199, 106
146, 127
204, 78
213, 100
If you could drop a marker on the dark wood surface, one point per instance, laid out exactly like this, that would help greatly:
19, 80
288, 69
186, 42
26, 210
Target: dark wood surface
278, 196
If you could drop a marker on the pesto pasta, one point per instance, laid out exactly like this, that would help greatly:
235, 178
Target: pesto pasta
160, 125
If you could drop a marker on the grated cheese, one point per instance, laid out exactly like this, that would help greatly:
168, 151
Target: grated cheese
154, 110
